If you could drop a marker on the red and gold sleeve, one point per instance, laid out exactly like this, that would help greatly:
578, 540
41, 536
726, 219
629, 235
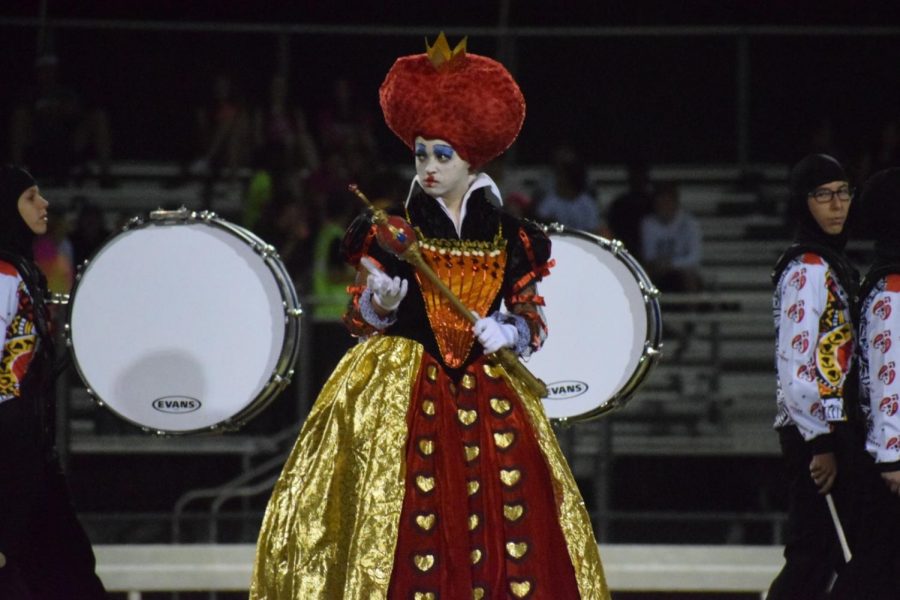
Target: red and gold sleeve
529, 262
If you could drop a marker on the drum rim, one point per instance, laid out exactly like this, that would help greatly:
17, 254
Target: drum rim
283, 371
651, 351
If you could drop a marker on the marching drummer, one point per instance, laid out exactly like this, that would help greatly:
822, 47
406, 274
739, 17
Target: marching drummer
815, 290
877, 557
44, 552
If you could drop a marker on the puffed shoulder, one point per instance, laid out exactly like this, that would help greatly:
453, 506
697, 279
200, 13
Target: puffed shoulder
811, 258
357, 239
537, 240
892, 283
7, 268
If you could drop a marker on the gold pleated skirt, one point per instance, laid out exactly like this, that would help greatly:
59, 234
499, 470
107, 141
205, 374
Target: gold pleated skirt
330, 529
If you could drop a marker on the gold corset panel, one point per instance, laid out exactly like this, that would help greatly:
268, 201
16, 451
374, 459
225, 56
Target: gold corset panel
473, 270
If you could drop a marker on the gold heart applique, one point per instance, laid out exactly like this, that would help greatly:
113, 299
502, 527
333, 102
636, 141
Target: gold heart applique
472, 453
475, 555
466, 417
425, 596
424, 562
500, 406
504, 440
473, 487
516, 549
428, 409
513, 512
426, 484
478, 593
520, 589
510, 477
426, 446
426, 522
468, 382
491, 371
473, 522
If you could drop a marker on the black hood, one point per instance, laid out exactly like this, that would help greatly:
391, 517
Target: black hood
15, 236
808, 174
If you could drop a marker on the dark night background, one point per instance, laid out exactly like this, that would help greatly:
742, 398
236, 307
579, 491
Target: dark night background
668, 98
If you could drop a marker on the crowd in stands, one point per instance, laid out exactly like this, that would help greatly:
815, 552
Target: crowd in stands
647, 218
54, 129
300, 163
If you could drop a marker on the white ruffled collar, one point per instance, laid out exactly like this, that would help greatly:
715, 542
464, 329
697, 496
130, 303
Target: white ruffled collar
483, 180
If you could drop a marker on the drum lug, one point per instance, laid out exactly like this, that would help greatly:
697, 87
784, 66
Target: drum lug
229, 426
264, 250
94, 397
651, 292
563, 422
555, 227
281, 381
292, 312
180, 214
615, 246
57, 298
132, 222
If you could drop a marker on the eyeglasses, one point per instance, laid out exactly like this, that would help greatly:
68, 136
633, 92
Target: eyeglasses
824, 195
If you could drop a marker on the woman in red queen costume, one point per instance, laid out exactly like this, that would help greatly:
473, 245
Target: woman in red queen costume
423, 470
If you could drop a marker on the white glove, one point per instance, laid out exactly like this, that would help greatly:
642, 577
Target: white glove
387, 292
494, 335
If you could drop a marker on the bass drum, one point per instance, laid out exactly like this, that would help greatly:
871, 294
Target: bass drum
604, 326
184, 323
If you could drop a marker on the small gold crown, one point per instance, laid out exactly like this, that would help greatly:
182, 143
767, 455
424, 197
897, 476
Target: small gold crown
440, 54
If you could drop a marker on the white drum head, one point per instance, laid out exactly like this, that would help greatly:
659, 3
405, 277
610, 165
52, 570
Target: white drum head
597, 317
177, 327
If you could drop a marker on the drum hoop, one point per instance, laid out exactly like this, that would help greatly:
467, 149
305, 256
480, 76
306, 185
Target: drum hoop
651, 351
283, 371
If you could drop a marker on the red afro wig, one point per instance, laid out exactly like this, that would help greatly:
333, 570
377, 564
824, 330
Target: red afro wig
468, 100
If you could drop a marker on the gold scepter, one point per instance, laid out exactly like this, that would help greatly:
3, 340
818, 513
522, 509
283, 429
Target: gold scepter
396, 236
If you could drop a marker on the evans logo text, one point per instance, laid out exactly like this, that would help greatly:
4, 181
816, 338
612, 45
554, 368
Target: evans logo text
562, 390
176, 404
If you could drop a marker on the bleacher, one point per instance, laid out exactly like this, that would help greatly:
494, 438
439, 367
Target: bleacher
716, 365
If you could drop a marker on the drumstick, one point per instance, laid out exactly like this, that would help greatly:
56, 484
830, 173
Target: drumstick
837, 525
412, 255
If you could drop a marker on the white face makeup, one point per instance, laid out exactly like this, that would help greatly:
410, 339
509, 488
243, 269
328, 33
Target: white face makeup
33, 208
829, 205
442, 172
